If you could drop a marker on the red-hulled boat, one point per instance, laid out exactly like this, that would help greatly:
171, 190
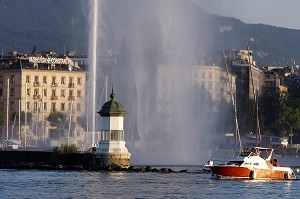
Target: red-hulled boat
252, 163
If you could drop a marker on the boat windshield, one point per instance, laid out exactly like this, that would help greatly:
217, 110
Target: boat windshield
244, 154
264, 153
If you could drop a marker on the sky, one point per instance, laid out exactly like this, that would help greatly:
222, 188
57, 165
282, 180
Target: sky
280, 13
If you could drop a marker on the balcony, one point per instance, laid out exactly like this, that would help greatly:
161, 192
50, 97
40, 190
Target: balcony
71, 85
54, 97
54, 85
36, 84
37, 97
71, 98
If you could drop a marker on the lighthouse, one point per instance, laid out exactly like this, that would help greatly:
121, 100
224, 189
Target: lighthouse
112, 149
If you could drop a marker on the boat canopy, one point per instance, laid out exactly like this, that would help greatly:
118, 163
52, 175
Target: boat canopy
265, 153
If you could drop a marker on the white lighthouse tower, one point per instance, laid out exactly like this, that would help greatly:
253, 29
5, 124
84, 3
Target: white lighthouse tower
112, 149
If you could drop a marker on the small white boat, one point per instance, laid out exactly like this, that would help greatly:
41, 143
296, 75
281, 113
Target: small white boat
252, 163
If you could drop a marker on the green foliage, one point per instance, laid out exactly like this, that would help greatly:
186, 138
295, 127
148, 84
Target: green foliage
89, 151
57, 119
64, 149
287, 118
268, 107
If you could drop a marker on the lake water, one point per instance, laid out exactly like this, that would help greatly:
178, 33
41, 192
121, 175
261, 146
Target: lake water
87, 184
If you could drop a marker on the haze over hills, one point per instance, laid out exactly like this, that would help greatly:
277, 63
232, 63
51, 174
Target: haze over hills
58, 25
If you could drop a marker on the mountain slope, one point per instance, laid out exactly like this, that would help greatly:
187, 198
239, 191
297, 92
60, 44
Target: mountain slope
55, 24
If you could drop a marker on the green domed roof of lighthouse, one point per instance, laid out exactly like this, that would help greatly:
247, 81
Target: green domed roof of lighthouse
112, 107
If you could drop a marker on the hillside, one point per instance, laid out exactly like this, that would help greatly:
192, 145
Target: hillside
48, 24
58, 24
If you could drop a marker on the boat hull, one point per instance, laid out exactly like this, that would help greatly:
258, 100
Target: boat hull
227, 171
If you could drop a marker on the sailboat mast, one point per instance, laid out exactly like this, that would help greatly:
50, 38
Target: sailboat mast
25, 133
19, 121
233, 98
255, 94
256, 144
7, 109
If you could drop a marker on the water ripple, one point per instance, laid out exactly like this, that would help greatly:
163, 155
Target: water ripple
73, 184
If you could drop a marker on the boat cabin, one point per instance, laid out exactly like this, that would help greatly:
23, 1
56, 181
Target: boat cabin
255, 157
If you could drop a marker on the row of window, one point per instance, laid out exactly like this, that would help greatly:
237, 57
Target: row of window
54, 80
36, 93
38, 106
45, 78
12, 79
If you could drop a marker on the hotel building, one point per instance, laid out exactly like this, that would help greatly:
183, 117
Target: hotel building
40, 84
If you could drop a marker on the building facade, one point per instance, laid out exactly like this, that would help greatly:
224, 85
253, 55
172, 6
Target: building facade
212, 85
40, 84
250, 79
275, 83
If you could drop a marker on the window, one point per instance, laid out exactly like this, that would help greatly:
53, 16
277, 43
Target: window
36, 92
63, 80
78, 93
12, 105
45, 92
1, 92
62, 94
12, 92
71, 82
1, 106
36, 79
210, 75
79, 81
35, 107
45, 106
53, 93
114, 135
70, 106
53, 105
44, 79
53, 80
78, 107
71, 95
28, 92
28, 106
63, 106
104, 135
1, 79
12, 77
27, 79
203, 75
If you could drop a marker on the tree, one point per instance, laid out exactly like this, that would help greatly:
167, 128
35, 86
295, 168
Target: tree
65, 149
287, 117
269, 104
247, 115
57, 119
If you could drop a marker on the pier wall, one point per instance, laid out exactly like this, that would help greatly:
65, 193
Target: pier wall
46, 160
